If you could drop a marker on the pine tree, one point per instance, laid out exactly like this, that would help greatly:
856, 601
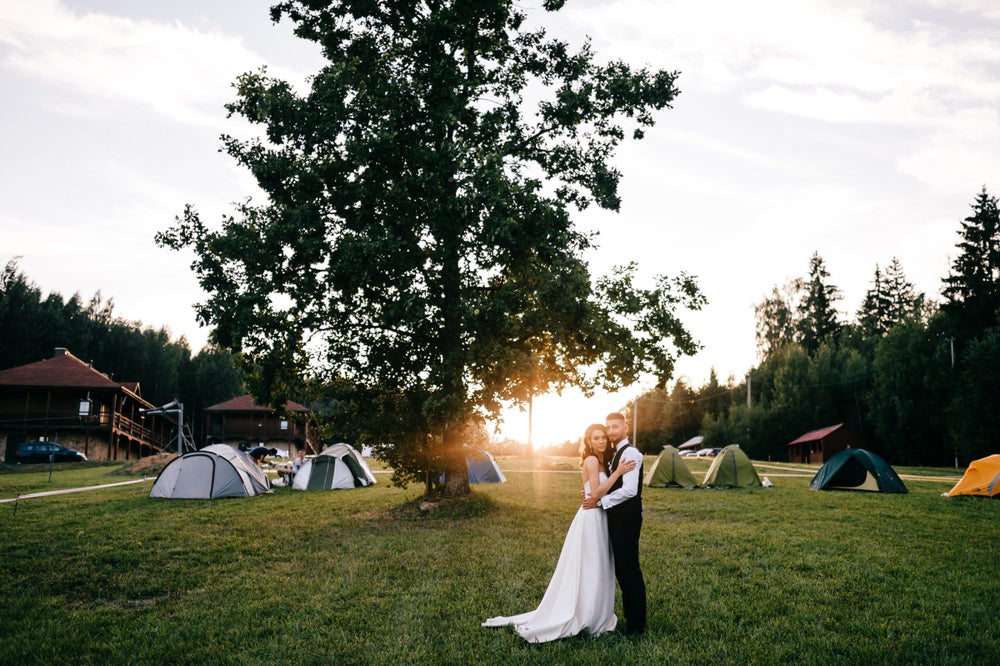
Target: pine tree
972, 289
904, 301
873, 316
817, 315
890, 300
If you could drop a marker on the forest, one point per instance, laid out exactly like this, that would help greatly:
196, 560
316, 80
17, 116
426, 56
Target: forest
33, 324
918, 377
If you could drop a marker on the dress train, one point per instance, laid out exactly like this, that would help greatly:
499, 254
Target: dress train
580, 597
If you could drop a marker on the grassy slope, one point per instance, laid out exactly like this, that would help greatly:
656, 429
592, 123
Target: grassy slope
736, 576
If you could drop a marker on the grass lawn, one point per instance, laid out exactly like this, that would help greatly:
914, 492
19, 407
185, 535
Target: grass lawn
765, 576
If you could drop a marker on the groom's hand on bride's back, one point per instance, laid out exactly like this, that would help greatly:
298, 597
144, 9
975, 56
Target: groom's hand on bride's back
589, 502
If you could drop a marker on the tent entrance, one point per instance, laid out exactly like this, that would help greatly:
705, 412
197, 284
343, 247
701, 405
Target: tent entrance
867, 482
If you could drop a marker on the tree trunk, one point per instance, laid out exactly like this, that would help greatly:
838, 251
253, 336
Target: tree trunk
456, 481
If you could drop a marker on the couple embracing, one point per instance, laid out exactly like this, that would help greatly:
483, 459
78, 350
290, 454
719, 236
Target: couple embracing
602, 544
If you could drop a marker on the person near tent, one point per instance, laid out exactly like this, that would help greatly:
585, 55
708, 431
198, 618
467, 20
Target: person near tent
623, 506
568, 606
288, 472
260, 454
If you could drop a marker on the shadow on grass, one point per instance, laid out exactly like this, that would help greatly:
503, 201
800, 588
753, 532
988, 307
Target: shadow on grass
439, 508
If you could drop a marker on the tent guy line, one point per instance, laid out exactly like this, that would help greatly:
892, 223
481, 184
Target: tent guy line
67, 491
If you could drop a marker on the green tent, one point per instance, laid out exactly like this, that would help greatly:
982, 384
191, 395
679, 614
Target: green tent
670, 470
732, 469
857, 469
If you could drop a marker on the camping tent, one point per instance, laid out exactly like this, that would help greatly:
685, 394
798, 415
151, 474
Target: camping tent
982, 479
857, 469
339, 466
732, 469
669, 470
483, 468
214, 471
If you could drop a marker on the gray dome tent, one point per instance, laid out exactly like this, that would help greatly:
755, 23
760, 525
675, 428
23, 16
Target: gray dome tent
340, 466
213, 472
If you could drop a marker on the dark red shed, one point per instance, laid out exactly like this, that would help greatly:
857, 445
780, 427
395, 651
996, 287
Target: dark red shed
818, 446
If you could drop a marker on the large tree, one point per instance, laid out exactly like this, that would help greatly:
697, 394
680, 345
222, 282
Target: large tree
890, 301
777, 318
416, 244
972, 288
817, 315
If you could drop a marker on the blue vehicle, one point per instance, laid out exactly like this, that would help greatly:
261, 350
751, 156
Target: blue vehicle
42, 452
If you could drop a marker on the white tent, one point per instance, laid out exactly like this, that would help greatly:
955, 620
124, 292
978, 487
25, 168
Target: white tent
483, 468
214, 471
339, 466
693, 443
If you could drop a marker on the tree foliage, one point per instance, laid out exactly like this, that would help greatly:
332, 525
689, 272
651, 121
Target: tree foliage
777, 317
817, 315
917, 381
972, 287
416, 246
891, 300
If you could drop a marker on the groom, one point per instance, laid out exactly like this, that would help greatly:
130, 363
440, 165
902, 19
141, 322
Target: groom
623, 505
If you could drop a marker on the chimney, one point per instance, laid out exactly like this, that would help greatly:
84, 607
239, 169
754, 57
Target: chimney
60, 351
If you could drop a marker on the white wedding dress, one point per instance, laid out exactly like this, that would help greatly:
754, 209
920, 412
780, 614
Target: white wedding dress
581, 595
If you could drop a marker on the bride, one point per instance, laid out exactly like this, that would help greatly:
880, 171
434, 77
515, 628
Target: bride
581, 595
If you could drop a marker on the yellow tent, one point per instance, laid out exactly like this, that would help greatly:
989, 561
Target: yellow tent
982, 478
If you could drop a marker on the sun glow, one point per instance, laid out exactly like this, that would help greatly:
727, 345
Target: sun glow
559, 418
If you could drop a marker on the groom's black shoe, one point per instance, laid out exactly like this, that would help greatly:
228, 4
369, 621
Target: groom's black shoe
634, 631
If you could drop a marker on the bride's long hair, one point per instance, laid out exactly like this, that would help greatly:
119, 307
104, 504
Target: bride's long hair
585, 448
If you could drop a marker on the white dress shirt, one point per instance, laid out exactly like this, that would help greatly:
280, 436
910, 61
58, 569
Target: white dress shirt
630, 480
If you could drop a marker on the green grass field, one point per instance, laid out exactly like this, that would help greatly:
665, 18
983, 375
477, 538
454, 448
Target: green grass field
766, 576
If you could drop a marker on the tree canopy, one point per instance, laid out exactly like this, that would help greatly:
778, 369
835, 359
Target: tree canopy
417, 246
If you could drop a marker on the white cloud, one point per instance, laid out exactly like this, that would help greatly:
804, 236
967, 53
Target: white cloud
177, 71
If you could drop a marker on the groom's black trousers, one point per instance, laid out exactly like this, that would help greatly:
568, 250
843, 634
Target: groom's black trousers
624, 526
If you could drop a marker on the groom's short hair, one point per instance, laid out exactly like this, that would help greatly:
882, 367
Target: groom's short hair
615, 416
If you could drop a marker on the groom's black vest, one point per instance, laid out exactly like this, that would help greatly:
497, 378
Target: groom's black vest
634, 503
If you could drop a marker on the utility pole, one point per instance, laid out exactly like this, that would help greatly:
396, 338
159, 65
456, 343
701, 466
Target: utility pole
531, 407
635, 423
951, 345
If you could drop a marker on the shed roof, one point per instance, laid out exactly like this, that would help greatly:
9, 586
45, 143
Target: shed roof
245, 403
816, 435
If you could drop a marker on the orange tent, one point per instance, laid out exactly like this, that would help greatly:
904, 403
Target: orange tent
982, 478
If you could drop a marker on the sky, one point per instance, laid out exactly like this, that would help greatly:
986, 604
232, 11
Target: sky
861, 130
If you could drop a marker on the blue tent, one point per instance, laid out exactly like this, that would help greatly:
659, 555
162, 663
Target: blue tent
483, 468
857, 469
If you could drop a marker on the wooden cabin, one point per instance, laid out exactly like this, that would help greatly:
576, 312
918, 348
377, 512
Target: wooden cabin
64, 400
818, 446
242, 423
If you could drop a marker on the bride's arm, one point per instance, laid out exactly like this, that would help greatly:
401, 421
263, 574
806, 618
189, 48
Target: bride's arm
591, 472
598, 490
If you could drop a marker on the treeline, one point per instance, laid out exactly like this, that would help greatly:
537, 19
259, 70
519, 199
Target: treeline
32, 325
918, 379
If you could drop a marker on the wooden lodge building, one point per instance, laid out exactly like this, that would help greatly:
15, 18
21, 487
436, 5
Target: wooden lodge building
65, 400
818, 446
241, 423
